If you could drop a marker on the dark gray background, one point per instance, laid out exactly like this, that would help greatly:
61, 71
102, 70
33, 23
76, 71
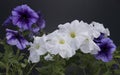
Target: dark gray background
62, 11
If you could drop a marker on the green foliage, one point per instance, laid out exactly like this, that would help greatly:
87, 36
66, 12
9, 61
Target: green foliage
53, 67
79, 64
15, 62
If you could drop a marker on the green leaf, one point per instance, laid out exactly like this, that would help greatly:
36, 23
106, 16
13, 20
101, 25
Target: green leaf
1, 54
107, 73
117, 56
117, 72
2, 65
23, 65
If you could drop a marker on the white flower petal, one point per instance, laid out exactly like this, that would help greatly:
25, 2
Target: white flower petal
34, 57
48, 57
89, 46
37, 48
97, 27
58, 44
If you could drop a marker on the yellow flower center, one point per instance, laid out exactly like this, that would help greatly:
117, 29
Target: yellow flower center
72, 34
61, 41
37, 46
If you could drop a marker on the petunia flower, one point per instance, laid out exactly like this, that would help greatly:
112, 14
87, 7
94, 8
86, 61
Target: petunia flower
89, 46
57, 43
37, 48
75, 32
80, 35
39, 25
14, 38
23, 17
99, 28
40, 22
107, 47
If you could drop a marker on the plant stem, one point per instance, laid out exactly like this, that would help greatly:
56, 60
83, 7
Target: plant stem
31, 69
84, 71
7, 69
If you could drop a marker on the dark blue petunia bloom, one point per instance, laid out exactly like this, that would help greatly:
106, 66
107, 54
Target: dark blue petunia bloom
23, 16
40, 24
14, 38
107, 48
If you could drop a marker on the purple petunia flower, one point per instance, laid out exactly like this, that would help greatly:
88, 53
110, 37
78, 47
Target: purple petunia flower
107, 48
23, 16
40, 24
14, 38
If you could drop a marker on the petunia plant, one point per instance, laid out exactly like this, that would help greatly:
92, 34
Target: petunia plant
75, 48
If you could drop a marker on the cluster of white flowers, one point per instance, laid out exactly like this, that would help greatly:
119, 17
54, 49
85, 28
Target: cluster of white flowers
68, 38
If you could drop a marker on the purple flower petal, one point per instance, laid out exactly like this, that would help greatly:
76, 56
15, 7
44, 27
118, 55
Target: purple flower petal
21, 44
107, 48
12, 41
40, 24
14, 38
23, 17
8, 21
104, 57
41, 21
36, 29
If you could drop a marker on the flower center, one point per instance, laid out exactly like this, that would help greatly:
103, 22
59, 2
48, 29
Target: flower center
24, 16
37, 46
72, 34
104, 49
61, 41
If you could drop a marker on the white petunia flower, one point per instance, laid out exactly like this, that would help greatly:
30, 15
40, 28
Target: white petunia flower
58, 44
37, 48
100, 28
80, 35
93, 32
75, 32
89, 46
